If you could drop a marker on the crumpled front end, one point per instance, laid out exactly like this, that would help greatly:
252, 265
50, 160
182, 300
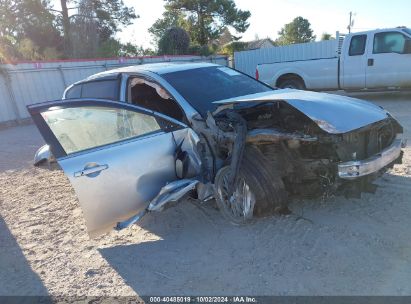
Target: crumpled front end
314, 151
358, 168
257, 153
370, 149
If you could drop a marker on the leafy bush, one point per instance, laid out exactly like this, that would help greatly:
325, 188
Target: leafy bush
175, 41
232, 47
201, 50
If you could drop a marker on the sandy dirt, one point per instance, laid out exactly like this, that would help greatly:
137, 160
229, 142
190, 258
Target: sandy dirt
334, 247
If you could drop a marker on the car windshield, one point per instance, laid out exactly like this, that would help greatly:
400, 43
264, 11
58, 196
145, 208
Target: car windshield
408, 31
202, 86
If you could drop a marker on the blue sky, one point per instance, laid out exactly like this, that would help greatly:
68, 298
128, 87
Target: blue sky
268, 16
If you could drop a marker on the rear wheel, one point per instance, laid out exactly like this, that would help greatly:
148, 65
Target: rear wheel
258, 192
292, 83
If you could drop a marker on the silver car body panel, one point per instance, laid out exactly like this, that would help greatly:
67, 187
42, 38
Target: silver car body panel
356, 169
189, 141
43, 154
136, 171
157, 68
333, 113
171, 192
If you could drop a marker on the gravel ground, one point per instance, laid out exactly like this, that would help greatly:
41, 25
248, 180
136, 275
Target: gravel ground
334, 247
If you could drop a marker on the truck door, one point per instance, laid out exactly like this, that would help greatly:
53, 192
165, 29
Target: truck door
388, 65
353, 63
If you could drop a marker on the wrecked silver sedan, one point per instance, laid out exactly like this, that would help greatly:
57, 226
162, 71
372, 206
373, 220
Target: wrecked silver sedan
134, 139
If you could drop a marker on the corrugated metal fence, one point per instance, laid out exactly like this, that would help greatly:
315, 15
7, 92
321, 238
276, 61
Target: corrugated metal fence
27, 83
246, 61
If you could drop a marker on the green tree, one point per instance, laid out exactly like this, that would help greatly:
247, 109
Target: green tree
225, 38
35, 30
326, 36
235, 46
131, 50
204, 20
8, 50
171, 18
114, 48
27, 30
175, 41
297, 31
109, 48
106, 17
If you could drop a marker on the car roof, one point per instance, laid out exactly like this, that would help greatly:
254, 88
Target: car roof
158, 68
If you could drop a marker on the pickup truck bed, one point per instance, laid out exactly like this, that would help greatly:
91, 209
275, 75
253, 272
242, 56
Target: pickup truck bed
379, 59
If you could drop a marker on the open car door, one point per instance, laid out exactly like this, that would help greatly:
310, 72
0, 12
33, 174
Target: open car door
117, 156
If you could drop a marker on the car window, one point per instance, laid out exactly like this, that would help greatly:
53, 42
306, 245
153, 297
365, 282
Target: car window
357, 45
389, 42
202, 86
105, 89
152, 96
83, 128
74, 92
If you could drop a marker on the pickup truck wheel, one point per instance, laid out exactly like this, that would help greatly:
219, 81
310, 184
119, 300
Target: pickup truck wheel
258, 191
292, 83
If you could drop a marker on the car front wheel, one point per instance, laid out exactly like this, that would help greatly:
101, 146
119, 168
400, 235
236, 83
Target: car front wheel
258, 191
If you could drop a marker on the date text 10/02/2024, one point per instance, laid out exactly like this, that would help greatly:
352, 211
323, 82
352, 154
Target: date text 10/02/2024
199, 299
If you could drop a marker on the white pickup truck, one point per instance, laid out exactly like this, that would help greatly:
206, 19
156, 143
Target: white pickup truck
378, 59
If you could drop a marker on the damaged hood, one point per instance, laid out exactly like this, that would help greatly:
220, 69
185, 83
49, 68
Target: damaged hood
333, 113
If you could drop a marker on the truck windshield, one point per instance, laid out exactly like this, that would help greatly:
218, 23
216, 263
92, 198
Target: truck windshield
202, 86
408, 31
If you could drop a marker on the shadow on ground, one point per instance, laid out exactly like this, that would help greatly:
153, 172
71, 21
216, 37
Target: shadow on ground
16, 275
318, 253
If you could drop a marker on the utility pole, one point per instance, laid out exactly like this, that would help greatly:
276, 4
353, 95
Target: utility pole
350, 25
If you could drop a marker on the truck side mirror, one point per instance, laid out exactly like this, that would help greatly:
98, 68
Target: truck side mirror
407, 46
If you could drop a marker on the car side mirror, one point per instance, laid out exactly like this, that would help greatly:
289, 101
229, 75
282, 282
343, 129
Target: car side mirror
407, 46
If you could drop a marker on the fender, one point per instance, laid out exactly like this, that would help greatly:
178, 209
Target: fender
290, 70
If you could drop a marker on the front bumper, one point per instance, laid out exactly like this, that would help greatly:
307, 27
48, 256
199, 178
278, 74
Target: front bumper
354, 169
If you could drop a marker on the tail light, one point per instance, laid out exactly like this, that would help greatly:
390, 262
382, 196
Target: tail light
257, 75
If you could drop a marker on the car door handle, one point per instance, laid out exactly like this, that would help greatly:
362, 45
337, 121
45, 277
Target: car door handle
88, 170
370, 62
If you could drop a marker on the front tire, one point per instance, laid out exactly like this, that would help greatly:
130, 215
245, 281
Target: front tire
258, 192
